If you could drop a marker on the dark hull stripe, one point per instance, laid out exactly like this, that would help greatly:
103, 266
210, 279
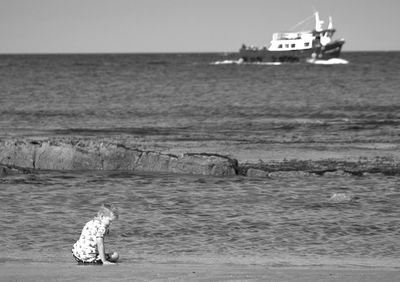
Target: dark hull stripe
327, 52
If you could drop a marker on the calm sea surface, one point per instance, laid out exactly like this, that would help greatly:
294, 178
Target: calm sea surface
191, 97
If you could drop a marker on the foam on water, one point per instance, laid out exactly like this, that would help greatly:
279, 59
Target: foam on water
228, 62
241, 62
333, 61
341, 197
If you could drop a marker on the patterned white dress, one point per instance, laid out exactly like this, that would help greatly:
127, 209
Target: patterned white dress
85, 249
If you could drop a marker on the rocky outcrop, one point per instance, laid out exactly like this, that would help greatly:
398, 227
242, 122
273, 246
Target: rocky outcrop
10, 170
4, 171
92, 155
326, 167
25, 156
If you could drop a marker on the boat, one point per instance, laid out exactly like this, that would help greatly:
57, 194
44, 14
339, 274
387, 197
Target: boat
316, 44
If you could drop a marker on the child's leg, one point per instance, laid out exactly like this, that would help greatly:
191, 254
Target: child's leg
81, 262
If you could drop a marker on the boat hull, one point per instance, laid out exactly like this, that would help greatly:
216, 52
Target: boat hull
331, 50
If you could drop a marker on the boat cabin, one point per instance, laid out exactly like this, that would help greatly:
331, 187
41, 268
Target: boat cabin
287, 41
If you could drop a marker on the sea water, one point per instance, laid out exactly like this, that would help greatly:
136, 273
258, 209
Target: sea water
176, 98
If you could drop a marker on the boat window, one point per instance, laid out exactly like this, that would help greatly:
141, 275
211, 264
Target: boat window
286, 45
293, 45
306, 44
280, 46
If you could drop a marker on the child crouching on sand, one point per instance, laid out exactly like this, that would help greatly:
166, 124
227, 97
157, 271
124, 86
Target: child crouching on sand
89, 249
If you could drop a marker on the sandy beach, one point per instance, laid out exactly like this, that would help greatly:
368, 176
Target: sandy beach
188, 272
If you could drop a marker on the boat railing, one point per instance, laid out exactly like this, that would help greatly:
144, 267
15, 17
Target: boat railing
291, 35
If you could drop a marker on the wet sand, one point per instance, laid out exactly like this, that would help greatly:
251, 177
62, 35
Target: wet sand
189, 272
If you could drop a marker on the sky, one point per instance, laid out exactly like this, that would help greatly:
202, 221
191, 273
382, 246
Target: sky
137, 26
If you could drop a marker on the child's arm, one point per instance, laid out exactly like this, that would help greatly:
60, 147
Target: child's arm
102, 253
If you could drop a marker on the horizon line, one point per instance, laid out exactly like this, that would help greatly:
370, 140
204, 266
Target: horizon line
165, 52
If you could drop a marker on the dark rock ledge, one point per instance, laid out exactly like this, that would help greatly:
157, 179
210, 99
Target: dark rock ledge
26, 156
326, 167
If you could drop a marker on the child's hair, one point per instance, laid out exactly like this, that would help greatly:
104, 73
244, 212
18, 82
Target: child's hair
108, 210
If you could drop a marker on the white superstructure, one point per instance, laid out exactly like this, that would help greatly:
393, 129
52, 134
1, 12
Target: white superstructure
303, 40
291, 41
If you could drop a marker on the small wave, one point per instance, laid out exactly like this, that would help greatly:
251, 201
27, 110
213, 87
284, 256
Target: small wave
157, 63
333, 61
267, 63
228, 62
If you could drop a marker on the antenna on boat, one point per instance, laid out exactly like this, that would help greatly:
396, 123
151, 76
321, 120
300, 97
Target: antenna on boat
330, 26
301, 22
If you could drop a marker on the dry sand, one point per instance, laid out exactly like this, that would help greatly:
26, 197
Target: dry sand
189, 272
